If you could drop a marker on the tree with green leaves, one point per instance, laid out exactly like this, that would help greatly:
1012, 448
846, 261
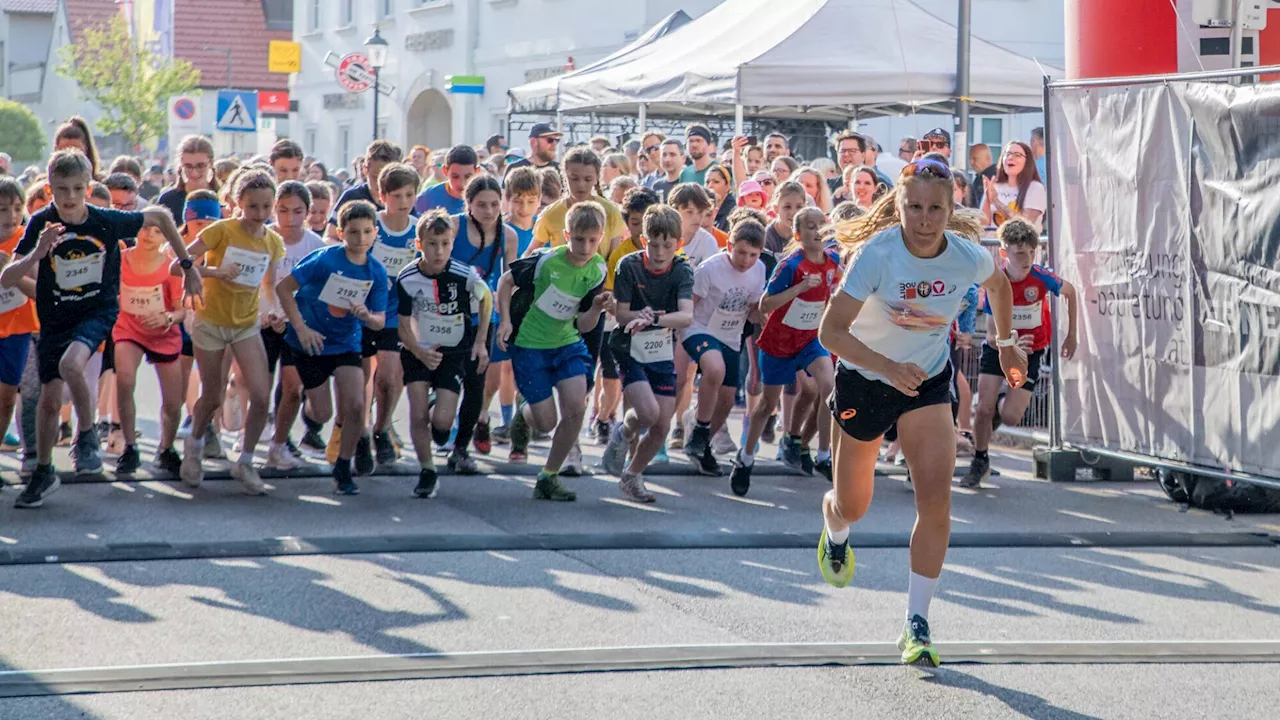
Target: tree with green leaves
130, 83
21, 134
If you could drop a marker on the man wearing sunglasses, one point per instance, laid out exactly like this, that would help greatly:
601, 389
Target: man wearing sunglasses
651, 150
543, 140
936, 140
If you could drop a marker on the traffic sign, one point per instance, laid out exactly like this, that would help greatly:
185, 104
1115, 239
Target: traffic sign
184, 118
238, 110
354, 72
284, 56
274, 102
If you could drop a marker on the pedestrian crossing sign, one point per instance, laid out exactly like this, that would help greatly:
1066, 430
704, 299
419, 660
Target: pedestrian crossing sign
238, 110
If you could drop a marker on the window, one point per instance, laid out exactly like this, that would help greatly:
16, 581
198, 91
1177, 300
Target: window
386, 8
311, 141
993, 132
279, 14
344, 143
348, 13
382, 128
313, 16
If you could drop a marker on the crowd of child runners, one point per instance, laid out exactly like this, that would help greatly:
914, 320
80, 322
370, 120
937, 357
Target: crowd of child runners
556, 286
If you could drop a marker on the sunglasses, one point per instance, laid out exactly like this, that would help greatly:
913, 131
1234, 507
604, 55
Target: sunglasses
926, 167
552, 140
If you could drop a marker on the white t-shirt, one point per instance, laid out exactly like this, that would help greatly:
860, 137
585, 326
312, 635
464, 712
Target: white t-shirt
702, 246
910, 302
725, 296
294, 253
1037, 198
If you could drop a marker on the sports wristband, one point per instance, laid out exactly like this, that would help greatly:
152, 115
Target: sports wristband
1010, 341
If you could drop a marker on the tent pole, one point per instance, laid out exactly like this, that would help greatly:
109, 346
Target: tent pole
644, 117
737, 119
960, 150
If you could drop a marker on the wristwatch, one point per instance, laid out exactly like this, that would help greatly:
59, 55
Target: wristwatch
1010, 341
185, 263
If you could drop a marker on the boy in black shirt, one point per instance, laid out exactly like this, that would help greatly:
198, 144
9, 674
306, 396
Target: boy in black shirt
73, 250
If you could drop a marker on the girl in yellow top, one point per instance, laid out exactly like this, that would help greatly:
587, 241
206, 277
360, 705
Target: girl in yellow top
240, 255
581, 175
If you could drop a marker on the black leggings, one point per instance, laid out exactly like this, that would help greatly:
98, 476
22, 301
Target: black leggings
472, 399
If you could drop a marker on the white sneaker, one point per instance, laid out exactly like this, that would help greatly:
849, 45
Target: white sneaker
247, 475
192, 473
279, 458
573, 466
213, 444
722, 444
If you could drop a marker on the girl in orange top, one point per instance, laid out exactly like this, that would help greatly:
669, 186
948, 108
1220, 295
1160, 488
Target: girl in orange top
17, 309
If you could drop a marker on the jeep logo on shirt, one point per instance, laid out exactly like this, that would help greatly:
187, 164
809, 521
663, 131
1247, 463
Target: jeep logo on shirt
423, 305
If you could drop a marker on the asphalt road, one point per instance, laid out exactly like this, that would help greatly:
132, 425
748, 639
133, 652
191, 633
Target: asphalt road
340, 599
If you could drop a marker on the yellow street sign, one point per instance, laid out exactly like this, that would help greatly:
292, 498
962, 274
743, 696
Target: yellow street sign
284, 56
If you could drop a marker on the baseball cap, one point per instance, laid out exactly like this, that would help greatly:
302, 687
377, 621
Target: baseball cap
938, 132
515, 154
540, 130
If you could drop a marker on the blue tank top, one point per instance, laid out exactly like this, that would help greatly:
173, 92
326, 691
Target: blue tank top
524, 238
488, 262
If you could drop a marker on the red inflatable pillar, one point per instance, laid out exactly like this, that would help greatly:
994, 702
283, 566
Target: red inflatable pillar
1114, 38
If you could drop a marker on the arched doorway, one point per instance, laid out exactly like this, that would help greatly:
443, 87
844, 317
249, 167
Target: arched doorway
430, 120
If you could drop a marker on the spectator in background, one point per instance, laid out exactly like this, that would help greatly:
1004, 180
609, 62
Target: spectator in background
938, 141
600, 143
651, 151
721, 186
543, 140
850, 152
783, 168
960, 186
1037, 149
152, 183
816, 187
862, 186
983, 170
775, 146
672, 165
907, 150
765, 179
1017, 190
632, 151
871, 158
419, 160
699, 144
753, 159
615, 166
496, 145
620, 186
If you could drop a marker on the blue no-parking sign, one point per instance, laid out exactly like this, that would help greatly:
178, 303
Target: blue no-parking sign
238, 110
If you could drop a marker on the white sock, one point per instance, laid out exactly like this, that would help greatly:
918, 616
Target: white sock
823, 455
919, 593
197, 440
836, 536
246, 458
277, 447
748, 460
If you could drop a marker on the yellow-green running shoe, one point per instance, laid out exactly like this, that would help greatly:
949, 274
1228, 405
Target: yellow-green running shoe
916, 647
835, 561
548, 487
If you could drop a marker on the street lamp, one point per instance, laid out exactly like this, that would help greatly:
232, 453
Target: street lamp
377, 58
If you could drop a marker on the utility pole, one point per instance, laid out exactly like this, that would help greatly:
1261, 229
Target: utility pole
235, 137
960, 149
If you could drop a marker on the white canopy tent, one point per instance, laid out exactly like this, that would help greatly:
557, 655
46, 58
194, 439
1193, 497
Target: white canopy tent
813, 59
544, 95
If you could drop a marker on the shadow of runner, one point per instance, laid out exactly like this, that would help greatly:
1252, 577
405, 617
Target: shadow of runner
1031, 706
72, 585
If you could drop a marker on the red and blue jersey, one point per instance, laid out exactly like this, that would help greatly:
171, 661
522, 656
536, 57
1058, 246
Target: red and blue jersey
1030, 309
795, 324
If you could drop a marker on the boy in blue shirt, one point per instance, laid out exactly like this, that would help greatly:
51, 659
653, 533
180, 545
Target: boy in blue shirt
327, 298
460, 165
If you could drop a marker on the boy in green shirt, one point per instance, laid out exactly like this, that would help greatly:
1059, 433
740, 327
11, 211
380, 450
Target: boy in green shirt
546, 302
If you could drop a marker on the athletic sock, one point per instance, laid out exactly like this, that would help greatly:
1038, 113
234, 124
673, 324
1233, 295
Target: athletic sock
428, 464
311, 424
980, 455
507, 412
746, 458
197, 440
246, 457
919, 593
703, 425
823, 455
276, 447
836, 537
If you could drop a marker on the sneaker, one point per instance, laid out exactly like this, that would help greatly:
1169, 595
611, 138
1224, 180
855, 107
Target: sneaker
129, 461
428, 484
311, 440
364, 463
707, 464
84, 457
806, 461
11, 442
293, 448
835, 561
42, 484
614, 459
548, 487
721, 443
342, 482
740, 477
823, 467
791, 454
916, 647
104, 428
573, 465
279, 458
979, 470
213, 444
661, 457
603, 428
517, 457
29, 463
331, 448
185, 428
501, 434
64, 436
770, 432
964, 444
169, 461
191, 472
699, 442
462, 463
481, 440
632, 488
520, 433
677, 438
247, 475
384, 451
232, 413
